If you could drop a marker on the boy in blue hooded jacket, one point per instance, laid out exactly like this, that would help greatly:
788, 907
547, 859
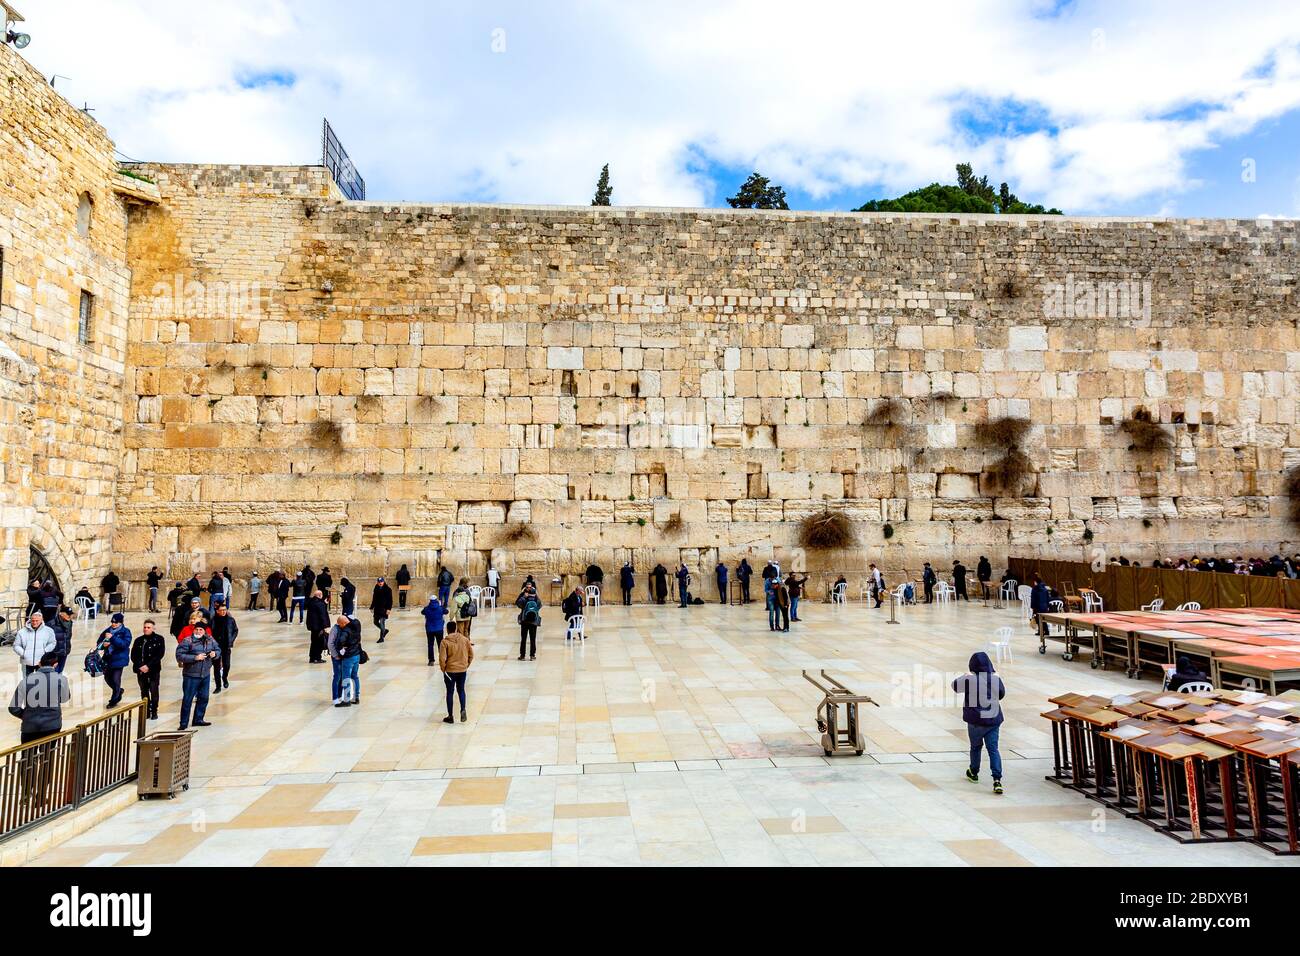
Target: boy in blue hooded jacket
981, 692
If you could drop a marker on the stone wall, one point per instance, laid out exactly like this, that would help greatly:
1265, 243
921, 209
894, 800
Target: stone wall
546, 387
60, 400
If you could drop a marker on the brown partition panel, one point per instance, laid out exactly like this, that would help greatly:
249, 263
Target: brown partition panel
1231, 589
1291, 594
1148, 585
1173, 587
1125, 588
1263, 591
1103, 582
1201, 588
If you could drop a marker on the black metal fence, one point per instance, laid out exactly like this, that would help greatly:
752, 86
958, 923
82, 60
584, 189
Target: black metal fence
52, 776
335, 158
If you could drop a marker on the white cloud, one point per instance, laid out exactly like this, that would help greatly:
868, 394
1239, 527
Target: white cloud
819, 96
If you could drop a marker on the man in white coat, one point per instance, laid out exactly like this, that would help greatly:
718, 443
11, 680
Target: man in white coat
34, 641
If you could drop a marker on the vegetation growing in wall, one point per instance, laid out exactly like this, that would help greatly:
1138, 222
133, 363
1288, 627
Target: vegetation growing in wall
827, 530
327, 434
1006, 435
1291, 490
518, 533
1145, 434
673, 525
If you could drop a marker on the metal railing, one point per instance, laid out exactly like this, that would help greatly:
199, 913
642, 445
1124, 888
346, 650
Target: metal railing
46, 778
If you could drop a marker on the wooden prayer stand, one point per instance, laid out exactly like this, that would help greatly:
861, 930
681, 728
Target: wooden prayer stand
1271, 793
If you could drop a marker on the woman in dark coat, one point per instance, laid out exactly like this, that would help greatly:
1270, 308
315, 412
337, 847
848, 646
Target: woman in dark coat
381, 602
660, 576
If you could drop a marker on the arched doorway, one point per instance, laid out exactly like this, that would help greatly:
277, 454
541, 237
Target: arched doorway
38, 569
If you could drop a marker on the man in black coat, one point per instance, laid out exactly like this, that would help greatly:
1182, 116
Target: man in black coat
743, 573
381, 603
318, 626
325, 581
147, 655
959, 580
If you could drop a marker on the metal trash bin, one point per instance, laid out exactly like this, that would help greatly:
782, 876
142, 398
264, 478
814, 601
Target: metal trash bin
163, 762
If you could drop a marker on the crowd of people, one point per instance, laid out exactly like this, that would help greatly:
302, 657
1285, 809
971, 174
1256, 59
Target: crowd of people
205, 633
1274, 566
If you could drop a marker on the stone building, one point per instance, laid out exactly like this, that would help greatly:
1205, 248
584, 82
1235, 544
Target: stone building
300, 377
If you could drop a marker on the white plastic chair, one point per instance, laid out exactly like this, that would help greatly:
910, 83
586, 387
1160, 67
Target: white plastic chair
1056, 607
1156, 605
1008, 589
1092, 602
84, 607
840, 594
592, 592
1198, 687
577, 628
487, 596
1189, 606
1023, 593
476, 595
943, 592
1001, 644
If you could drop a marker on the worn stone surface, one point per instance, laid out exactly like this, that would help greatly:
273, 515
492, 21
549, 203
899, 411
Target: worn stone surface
367, 384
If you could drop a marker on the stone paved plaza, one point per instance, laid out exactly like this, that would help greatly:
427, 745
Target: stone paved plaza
669, 737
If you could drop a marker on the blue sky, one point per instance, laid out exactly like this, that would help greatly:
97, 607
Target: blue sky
1099, 108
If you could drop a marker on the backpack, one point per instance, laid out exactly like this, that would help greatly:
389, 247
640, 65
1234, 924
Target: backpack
530, 615
94, 664
471, 608
909, 593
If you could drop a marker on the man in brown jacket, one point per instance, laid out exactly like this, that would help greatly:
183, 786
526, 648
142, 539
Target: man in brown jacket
454, 657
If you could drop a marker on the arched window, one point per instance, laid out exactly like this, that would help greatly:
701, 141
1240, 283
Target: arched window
85, 208
38, 569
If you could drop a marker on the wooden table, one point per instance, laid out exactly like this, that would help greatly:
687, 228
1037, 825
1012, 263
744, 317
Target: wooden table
1266, 671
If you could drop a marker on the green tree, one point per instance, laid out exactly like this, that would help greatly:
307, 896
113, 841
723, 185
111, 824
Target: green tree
604, 191
971, 194
758, 193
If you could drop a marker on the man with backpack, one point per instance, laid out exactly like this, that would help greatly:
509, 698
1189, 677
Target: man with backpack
116, 645
530, 616
435, 621
445, 580
466, 607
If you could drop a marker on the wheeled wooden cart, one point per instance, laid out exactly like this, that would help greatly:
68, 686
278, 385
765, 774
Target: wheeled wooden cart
838, 733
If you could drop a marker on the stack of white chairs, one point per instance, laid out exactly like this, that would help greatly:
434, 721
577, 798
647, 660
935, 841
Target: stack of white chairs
944, 592
1092, 602
1023, 593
